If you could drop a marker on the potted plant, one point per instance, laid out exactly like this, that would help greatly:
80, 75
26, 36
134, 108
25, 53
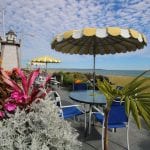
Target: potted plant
137, 101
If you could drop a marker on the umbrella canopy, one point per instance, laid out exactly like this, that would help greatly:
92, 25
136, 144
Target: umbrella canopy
37, 64
45, 60
101, 41
109, 40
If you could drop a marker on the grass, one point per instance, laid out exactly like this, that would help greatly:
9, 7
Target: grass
123, 80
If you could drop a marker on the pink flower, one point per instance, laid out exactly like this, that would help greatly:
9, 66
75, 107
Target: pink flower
19, 97
2, 114
16, 95
10, 107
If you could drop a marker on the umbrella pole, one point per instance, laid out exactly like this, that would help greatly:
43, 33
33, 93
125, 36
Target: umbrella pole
94, 76
46, 66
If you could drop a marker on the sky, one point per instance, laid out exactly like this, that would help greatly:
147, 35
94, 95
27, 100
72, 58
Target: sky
37, 22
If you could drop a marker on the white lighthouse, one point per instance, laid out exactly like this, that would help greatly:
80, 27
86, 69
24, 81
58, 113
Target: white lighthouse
10, 52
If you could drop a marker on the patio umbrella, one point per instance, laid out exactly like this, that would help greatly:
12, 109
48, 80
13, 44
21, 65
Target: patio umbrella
37, 64
101, 41
45, 60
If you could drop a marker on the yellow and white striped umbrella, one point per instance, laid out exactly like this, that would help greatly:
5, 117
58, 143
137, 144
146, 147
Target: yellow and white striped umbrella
108, 40
101, 41
37, 64
45, 60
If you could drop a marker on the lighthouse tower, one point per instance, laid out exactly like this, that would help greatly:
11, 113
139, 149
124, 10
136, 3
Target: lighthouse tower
10, 52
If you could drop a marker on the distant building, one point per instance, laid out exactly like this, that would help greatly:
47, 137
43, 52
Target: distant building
9, 51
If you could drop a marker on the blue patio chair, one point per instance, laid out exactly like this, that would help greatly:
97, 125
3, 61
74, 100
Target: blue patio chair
117, 118
68, 111
80, 86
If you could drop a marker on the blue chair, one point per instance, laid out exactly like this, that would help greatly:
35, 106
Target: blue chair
80, 86
68, 111
117, 118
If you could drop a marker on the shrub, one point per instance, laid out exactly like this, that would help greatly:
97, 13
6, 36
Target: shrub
39, 129
70, 77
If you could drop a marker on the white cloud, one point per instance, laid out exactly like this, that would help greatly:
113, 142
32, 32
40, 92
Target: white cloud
46, 18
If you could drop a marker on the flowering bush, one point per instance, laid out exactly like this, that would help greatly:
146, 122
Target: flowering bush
23, 93
4, 89
5, 92
40, 129
13, 74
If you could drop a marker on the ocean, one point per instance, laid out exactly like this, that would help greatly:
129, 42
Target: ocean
104, 72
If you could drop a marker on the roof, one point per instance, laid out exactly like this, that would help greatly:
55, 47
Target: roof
11, 32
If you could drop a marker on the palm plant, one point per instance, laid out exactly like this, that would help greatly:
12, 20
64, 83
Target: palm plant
137, 101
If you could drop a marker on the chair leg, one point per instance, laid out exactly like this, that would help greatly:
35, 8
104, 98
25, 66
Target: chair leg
90, 113
103, 136
85, 121
128, 137
74, 119
113, 129
93, 120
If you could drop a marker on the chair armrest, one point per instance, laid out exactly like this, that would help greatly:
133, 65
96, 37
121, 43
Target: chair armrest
97, 110
55, 81
53, 78
69, 106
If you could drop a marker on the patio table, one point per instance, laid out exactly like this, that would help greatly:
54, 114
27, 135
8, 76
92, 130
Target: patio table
87, 97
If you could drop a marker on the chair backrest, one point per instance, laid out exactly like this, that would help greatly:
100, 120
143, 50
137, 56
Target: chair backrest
54, 97
40, 78
117, 113
57, 99
80, 86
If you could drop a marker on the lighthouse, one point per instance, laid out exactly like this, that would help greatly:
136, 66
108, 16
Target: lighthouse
10, 51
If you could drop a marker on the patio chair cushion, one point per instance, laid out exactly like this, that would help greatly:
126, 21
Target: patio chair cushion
100, 118
80, 86
69, 112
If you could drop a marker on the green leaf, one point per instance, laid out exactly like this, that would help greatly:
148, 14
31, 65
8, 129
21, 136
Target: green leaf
146, 108
132, 88
143, 95
141, 89
139, 76
135, 113
127, 106
144, 114
143, 100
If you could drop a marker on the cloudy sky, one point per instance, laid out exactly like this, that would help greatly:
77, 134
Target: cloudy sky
36, 22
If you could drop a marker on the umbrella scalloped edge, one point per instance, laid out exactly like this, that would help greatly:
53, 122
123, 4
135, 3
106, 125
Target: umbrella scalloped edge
130, 38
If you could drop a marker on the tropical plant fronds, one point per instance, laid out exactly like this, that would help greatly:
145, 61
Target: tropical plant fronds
136, 100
